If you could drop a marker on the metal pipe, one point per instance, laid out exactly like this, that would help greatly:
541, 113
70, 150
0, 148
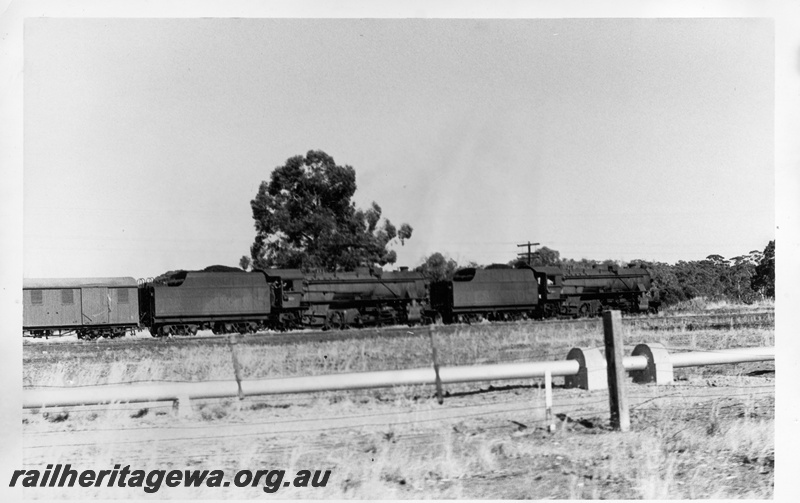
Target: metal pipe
55, 397
40, 397
737, 355
634, 362
129, 393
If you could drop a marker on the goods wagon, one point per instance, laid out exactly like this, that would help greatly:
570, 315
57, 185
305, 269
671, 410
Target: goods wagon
366, 296
223, 302
493, 294
90, 307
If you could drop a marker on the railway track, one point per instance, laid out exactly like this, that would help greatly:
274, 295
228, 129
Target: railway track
666, 323
687, 322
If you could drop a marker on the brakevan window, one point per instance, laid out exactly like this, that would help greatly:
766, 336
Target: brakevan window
122, 295
36, 296
66, 297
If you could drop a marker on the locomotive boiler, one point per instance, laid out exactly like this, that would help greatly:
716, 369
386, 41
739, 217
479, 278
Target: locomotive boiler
366, 296
582, 292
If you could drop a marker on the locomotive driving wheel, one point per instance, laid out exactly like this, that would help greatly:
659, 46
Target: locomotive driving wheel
550, 310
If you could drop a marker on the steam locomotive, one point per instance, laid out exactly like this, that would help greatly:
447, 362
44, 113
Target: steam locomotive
541, 292
288, 299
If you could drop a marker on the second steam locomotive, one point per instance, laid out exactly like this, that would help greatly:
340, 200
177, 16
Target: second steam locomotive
286, 299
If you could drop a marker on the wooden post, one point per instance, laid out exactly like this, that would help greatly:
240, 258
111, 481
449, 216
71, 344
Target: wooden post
233, 339
182, 407
548, 401
439, 396
612, 330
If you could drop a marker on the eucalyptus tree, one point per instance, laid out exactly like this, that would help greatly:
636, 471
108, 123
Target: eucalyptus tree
305, 218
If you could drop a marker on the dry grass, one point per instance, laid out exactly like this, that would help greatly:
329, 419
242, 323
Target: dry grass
720, 448
477, 344
701, 305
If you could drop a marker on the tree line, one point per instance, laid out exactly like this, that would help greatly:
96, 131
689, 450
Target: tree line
305, 219
744, 278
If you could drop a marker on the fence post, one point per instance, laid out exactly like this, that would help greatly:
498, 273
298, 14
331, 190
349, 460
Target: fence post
548, 401
182, 406
612, 332
233, 339
439, 397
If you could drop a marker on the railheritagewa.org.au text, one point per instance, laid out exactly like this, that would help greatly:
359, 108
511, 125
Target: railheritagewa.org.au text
151, 481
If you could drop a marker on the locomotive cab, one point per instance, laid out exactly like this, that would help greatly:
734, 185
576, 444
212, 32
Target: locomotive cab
550, 281
287, 286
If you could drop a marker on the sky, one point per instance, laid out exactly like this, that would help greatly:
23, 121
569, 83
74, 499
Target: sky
146, 139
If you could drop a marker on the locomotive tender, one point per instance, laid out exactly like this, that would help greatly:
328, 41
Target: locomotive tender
192, 301
494, 294
281, 299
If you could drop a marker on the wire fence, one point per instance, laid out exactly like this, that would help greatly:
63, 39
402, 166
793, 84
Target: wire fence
552, 356
509, 417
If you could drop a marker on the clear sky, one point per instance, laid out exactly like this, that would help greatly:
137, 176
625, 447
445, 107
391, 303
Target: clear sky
146, 139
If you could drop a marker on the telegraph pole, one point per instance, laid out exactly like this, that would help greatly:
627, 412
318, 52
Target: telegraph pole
529, 245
